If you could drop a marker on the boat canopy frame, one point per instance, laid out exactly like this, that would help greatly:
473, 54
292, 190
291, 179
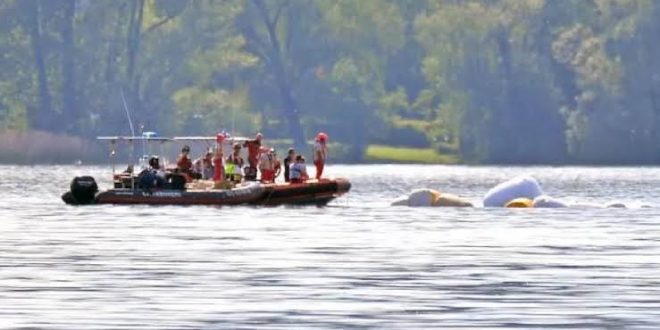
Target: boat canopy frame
147, 137
130, 139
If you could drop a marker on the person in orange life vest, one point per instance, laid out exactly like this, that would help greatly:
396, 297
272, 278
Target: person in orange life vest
298, 170
253, 147
267, 166
218, 166
320, 153
234, 164
184, 164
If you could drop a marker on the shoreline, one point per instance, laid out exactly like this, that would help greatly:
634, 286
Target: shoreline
30, 148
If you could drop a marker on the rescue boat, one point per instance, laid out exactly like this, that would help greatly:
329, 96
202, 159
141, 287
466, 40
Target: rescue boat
84, 191
177, 191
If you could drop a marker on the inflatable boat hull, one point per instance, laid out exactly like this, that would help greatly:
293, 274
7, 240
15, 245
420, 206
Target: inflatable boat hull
179, 197
309, 193
313, 192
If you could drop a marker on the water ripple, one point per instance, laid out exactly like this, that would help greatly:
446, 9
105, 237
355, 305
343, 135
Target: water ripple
357, 263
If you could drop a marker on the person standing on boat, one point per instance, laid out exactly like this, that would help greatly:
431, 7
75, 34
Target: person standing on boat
207, 172
277, 165
218, 166
234, 164
266, 166
320, 153
290, 159
298, 170
254, 147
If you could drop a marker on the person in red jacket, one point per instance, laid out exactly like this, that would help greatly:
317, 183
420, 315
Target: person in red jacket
184, 164
320, 153
218, 165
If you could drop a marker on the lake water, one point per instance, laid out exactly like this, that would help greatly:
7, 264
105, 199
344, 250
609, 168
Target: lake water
357, 263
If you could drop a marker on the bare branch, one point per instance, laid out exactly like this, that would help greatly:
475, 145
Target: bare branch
277, 14
261, 7
254, 43
158, 24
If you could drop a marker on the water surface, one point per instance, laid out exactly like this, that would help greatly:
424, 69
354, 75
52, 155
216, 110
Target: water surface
357, 263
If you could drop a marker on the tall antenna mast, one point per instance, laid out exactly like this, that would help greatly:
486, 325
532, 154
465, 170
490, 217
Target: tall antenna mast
128, 114
233, 120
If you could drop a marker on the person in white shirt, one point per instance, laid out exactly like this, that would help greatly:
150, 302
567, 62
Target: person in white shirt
298, 170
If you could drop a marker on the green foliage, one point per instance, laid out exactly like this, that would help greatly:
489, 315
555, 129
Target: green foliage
207, 112
499, 81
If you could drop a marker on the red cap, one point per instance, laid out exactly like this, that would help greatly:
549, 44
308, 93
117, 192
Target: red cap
220, 137
322, 137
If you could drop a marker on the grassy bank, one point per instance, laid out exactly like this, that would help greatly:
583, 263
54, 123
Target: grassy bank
388, 154
37, 147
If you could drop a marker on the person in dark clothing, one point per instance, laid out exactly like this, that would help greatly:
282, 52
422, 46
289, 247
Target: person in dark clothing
288, 160
254, 151
152, 177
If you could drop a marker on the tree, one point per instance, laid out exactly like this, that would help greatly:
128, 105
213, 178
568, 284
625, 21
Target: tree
267, 44
44, 115
70, 110
481, 62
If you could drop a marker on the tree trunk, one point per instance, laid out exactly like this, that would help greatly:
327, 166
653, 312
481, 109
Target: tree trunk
71, 115
133, 47
133, 37
289, 103
654, 90
504, 148
40, 118
113, 42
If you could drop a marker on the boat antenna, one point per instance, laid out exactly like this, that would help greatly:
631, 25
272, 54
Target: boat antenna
128, 114
130, 124
233, 120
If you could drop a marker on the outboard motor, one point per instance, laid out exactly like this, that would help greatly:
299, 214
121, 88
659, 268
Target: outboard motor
83, 191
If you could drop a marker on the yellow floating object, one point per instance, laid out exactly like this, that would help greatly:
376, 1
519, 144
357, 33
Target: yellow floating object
431, 197
520, 203
450, 200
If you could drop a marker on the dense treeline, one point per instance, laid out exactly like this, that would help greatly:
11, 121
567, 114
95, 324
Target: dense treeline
501, 81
